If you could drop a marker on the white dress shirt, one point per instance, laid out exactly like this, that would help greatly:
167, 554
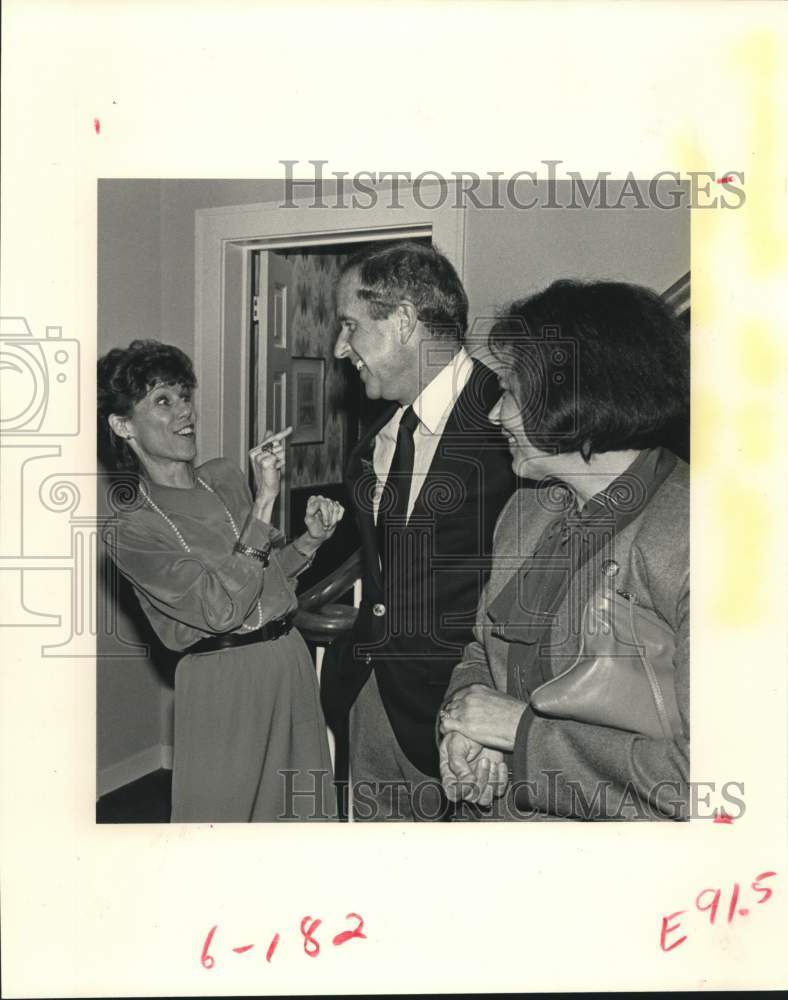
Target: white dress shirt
432, 406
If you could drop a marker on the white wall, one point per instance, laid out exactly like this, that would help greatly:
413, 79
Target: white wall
179, 200
129, 261
511, 252
146, 289
129, 691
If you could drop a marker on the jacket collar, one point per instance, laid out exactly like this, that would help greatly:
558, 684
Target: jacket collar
467, 429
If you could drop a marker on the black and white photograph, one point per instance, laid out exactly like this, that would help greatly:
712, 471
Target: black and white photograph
393, 445
492, 594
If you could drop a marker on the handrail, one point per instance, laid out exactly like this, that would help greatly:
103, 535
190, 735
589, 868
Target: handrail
317, 619
334, 585
678, 295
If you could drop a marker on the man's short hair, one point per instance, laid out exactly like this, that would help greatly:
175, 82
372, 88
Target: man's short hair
392, 272
600, 366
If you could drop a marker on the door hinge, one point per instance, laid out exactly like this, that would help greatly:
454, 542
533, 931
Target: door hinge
255, 308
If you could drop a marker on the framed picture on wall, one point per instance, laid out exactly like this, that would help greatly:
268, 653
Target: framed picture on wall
308, 381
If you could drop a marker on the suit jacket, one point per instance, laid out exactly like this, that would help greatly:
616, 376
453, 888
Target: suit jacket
573, 769
416, 618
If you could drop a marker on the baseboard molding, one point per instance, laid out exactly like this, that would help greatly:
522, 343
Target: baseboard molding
109, 779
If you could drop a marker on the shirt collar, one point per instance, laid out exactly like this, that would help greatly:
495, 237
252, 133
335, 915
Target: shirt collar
627, 495
434, 402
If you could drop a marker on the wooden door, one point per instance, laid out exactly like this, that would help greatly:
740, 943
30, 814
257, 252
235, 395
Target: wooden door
270, 370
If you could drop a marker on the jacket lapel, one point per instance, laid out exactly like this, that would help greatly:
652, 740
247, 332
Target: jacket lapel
360, 483
467, 430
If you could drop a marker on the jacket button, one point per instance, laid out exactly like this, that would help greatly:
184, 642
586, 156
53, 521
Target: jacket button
379, 610
368, 658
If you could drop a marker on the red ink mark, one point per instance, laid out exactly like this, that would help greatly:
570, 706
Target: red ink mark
272, 948
712, 906
725, 180
243, 948
667, 927
207, 960
355, 933
314, 950
97, 126
720, 816
760, 888
734, 902
708, 901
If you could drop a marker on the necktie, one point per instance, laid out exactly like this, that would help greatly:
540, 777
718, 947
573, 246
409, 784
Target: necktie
393, 508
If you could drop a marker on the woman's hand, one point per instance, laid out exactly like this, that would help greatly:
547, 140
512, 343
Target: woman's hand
268, 460
471, 771
484, 715
322, 517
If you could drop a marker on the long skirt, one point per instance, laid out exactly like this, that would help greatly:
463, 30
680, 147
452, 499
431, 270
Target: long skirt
250, 739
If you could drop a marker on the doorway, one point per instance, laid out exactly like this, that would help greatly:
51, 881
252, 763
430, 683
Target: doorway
295, 380
231, 356
225, 241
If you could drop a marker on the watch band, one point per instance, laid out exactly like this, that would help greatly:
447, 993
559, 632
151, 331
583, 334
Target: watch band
261, 555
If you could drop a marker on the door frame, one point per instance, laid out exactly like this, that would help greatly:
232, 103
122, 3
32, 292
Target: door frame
224, 240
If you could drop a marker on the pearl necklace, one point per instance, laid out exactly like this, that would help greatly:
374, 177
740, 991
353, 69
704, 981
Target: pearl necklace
182, 540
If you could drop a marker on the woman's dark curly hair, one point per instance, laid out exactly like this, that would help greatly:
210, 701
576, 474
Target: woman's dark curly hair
600, 366
125, 376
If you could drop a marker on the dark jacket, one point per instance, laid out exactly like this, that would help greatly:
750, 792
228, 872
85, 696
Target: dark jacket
414, 624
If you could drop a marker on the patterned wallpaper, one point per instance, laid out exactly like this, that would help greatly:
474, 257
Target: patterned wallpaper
313, 327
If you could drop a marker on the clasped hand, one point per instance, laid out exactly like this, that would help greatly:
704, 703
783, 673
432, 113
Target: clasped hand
322, 516
477, 723
484, 715
470, 771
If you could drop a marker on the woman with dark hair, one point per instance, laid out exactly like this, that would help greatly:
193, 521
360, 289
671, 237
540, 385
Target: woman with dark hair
216, 583
577, 683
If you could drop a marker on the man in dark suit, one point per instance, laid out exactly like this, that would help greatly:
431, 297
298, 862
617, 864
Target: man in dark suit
427, 482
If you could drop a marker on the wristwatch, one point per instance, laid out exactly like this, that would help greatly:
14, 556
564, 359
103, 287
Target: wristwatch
261, 555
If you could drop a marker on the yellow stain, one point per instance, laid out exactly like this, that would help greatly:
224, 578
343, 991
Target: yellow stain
760, 355
744, 525
688, 153
756, 435
708, 414
758, 59
704, 224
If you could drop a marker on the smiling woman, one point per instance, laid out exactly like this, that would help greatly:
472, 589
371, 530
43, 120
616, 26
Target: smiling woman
579, 670
160, 430
216, 582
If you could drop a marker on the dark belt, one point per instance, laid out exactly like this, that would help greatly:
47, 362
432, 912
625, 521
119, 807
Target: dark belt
271, 630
